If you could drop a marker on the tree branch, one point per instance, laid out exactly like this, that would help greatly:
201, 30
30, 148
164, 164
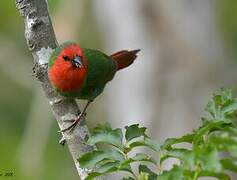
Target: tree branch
41, 42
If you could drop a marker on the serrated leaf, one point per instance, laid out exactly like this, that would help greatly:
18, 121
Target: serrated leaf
105, 134
199, 134
216, 135
134, 131
171, 141
144, 142
90, 159
186, 157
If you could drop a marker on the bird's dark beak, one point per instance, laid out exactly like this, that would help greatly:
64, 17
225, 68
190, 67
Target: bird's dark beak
77, 62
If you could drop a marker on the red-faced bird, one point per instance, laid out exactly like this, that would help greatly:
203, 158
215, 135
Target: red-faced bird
82, 73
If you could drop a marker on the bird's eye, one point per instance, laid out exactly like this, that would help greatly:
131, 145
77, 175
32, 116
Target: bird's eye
66, 58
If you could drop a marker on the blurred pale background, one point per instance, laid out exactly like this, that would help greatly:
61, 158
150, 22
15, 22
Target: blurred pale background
188, 51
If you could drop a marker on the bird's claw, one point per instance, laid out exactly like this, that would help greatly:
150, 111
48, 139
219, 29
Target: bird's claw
73, 120
74, 123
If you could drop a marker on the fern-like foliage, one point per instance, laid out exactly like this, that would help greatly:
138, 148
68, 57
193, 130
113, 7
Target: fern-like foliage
212, 150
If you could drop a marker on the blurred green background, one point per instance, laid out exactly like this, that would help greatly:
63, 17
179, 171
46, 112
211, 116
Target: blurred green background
189, 49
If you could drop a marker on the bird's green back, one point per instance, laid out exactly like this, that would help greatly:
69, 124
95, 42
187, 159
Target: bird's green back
101, 69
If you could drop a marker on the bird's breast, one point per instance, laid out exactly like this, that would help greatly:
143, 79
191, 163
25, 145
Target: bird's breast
67, 78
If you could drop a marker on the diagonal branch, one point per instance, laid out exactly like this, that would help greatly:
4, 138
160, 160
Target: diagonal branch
41, 42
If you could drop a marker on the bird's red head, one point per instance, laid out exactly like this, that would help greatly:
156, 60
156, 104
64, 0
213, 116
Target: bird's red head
67, 68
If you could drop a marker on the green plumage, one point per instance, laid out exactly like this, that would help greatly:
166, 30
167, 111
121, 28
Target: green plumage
101, 69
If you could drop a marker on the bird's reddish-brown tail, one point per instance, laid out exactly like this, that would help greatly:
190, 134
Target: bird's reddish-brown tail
124, 58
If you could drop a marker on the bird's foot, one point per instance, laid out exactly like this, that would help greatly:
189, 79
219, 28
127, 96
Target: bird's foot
73, 120
74, 123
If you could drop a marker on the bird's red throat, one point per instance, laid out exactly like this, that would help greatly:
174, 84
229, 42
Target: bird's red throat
63, 75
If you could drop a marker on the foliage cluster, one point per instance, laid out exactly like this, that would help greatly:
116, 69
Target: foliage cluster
209, 151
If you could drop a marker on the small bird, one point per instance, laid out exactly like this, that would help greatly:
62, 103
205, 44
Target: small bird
82, 73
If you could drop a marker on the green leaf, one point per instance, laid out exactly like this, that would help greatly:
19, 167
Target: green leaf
105, 134
144, 142
224, 142
102, 128
90, 159
222, 105
143, 157
108, 166
199, 134
171, 141
143, 176
221, 176
93, 175
208, 158
215, 136
145, 169
230, 108
186, 157
140, 157
128, 178
232, 131
229, 164
134, 131
175, 173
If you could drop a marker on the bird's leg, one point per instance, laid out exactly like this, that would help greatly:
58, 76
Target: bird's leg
72, 120
77, 120
62, 141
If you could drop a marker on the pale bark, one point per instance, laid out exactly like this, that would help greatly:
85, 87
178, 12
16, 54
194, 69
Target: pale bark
41, 42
